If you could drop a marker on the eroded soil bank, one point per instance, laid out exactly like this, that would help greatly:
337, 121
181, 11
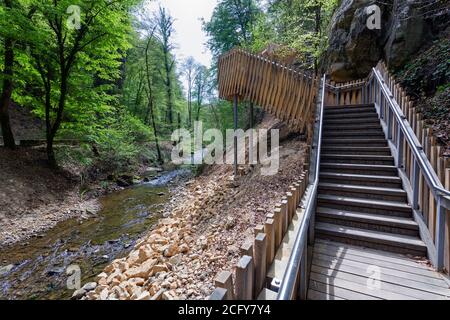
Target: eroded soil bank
203, 233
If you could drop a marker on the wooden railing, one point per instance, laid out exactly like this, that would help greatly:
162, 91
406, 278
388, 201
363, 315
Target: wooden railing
280, 90
257, 256
345, 93
425, 174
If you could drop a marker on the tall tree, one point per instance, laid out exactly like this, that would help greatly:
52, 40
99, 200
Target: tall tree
69, 55
201, 81
231, 24
164, 31
7, 88
189, 69
150, 95
14, 23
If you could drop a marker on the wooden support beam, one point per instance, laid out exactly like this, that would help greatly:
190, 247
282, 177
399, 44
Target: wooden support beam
225, 280
258, 229
244, 278
218, 294
235, 120
247, 249
290, 207
269, 229
278, 226
260, 262
284, 214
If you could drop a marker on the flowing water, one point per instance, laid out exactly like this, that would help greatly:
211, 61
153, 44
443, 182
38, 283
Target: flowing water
37, 269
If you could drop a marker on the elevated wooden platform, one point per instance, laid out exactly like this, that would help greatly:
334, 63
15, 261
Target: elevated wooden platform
345, 272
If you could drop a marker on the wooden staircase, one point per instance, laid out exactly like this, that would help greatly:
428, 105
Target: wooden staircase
361, 200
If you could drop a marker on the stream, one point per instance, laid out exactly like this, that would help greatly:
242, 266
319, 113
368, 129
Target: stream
37, 269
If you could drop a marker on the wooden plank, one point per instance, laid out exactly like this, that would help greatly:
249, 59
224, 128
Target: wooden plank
260, 246
224, 280
269, 229
386, 282
317, 295
371, 253
341, 293
244, 278
218, 294
328, 261
363, 289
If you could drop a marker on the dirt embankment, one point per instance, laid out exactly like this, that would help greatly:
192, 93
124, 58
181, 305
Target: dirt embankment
34, 198
202, 234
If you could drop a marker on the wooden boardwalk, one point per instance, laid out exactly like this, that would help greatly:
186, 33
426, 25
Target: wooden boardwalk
346, 272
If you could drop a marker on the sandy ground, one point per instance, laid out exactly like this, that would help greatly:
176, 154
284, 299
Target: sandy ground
203, 233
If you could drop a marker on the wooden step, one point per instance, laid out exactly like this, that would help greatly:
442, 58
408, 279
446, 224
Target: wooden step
355, 168
357, 159
366, 192
349, 141
357, 105
357, 115
369, 133
389, 208
348, 110
344, 121
354, 126
385, 151
369, 221
361, 179
372, 239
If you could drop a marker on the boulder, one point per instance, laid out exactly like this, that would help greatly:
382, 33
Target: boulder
78, 294
89, 286
354, 48
142, 271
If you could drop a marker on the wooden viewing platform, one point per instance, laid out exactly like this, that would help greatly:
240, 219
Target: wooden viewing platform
345, 272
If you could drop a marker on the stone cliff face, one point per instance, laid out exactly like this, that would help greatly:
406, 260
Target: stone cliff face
406, 26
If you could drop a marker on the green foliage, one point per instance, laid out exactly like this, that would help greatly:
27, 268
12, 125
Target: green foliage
429, 71
231, 25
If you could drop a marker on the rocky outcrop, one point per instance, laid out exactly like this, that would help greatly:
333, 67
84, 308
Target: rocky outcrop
406, 26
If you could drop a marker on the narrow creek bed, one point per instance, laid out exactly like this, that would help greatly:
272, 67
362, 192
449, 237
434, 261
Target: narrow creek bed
37, 268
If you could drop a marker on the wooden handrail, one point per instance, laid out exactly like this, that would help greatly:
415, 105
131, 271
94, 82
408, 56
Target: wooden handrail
280, 90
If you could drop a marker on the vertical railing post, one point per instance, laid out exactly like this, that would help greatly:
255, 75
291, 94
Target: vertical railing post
235, 119
440, 234
415, 185
303, 281
389, 123
400, 161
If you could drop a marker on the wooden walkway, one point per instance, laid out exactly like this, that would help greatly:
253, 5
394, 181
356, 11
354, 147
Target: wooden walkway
346, 272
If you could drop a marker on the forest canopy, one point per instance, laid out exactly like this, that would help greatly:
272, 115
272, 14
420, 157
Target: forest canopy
105, 73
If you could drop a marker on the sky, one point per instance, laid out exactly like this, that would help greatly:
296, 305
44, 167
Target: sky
189, 37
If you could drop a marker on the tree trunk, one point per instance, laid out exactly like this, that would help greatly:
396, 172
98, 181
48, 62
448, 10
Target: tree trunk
50, 152
150, 102
5, 101
158, 150
168, 70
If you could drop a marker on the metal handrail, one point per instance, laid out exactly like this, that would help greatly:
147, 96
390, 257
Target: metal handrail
289, 282
430, 176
